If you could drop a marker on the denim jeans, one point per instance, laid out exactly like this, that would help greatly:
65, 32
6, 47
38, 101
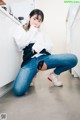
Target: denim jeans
61, 63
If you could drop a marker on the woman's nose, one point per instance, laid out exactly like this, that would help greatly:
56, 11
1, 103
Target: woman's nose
36, 22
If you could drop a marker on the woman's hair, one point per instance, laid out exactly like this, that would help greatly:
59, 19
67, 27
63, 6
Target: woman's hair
37, 12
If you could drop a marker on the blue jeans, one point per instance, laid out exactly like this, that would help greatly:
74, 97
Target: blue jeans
61, 63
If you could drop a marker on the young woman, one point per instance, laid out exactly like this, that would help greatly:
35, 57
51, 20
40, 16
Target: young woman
37, 55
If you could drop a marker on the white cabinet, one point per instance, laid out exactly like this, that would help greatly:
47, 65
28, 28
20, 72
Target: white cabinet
10, 59
74, 40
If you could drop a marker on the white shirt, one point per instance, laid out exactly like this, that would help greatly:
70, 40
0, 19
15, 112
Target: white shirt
34, 35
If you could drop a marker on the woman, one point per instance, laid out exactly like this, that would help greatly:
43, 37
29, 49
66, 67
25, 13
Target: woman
37, 55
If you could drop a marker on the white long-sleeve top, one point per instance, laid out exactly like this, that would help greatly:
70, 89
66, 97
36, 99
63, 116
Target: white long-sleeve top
34, 35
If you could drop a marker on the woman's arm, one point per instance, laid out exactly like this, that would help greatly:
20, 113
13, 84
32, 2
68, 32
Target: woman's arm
42, 44
23, 38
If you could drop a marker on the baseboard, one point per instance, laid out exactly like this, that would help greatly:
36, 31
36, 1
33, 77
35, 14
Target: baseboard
75, 74
5, 89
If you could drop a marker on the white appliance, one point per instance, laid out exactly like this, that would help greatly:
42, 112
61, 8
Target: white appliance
73, 35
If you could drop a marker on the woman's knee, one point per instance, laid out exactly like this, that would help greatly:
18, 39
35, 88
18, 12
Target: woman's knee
44, 67
18, 91
74, 60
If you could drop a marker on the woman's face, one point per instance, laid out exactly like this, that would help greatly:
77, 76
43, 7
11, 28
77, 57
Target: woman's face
36, 21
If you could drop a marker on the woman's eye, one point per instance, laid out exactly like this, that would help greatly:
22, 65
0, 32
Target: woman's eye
34, 18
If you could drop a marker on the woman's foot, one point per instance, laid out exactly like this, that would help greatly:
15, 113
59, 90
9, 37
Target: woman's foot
54, 78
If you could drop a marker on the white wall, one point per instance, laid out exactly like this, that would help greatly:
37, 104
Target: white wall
55, 12
20, 8
10, 1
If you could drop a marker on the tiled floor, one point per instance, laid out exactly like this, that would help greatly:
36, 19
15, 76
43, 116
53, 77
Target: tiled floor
44, 101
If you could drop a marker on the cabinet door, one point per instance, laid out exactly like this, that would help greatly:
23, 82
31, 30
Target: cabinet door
10, 59
75, 40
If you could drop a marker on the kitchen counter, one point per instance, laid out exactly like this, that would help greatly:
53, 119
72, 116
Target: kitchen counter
8, 15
